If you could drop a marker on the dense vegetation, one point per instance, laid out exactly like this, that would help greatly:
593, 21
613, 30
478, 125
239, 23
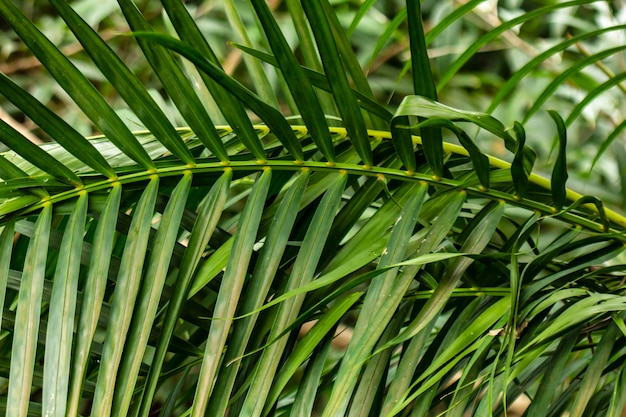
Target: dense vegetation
350, 209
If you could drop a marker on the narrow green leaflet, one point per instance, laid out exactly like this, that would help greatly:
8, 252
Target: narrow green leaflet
35, 155
517, 76
452, 353
551, 380
55, 126
595, 370
374, 375
299, 85
93, 295
423, 107
351, 63
303, 272
518, 166
28, 316
233, 110
272, 117
75, 84
125, 82
618, 400
479, 159
381, 301
607, 143
149, 296
320, 81
61, 316
567, 74
127, 285
177, 86
304, 402
310, 58
480, 233
497, 31
308, 343
209, 213
592, 95
259, 286
559, 172
390, 32
424, 85
230, 289
259, 76
335, 73
6, 246
437, 231
8, 172
449, 19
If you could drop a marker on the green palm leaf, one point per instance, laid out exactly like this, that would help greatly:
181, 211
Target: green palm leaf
171, 270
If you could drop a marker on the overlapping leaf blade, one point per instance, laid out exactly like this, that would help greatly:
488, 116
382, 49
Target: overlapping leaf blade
75, 84
128, 281
333, 67
473, 318
61, 314
28, 317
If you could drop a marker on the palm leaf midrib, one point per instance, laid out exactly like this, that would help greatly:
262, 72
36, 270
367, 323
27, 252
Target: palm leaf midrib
167, 167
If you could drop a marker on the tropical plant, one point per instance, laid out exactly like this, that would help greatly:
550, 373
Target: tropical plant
170, 271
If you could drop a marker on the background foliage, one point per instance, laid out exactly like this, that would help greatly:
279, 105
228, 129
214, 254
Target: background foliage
133, 281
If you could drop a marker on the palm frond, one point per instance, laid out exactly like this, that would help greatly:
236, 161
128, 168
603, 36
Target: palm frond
186, 260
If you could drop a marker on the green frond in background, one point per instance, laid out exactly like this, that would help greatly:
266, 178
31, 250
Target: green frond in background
352, 222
